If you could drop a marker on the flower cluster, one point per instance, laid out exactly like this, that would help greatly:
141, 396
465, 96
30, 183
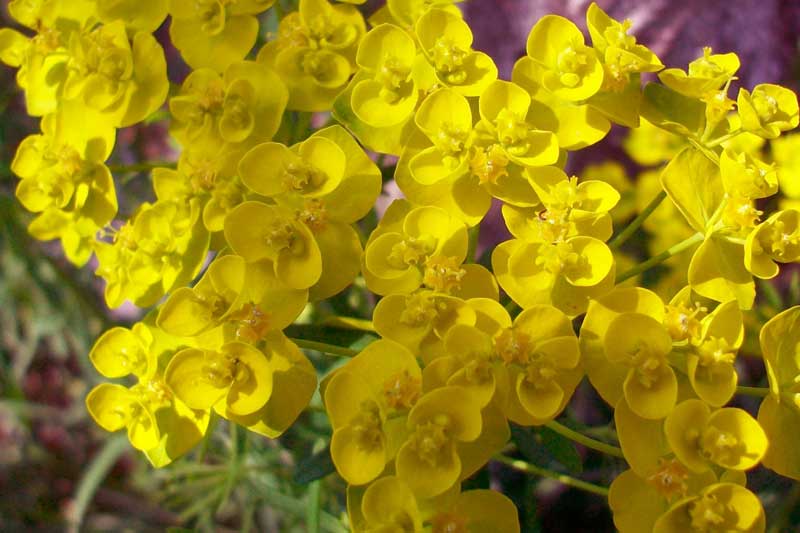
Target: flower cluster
260, 219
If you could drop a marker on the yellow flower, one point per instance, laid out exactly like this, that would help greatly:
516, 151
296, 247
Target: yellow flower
566, 66
315, 51
776, 240
570, 208
205, 177
638, 502
710, 361
121, 351
64, 179
728, 437
279, 238
389, 95
768, 110
389, 504
565, 274
429, 461
705, 74
622, 55
446, 41
234, 111
625, 346
744, 175
420, 320
158, 423
367, 401
126, 80
397, 254
506, 144
213, 34
718, 507
540, 360
161, 247
779, 414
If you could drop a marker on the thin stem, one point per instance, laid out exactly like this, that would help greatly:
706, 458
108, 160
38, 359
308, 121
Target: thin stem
710, 154
313, 514
631, 228
523, 466
94, 476
660, 258
584, 440
722, 139
474, 235
324, 347
144, 166
759, 392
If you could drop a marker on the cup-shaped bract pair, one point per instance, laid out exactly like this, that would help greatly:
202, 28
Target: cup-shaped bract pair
429, 461
625, 347
420, 320
768, 110
674, 500
568, 208
446, 42
408, 242
329, 183
389, 504
161, 247
779, 414
776, 240
566, 274
207, 177
64, 179
368, 400
315, 51
246, 299
727, 437
236, 110
212, 33
158, 423
262, 388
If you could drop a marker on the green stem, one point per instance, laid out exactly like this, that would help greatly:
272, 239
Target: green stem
313, 509
660, 258
523, 466
324, 347
94, 476
722, 139
512, 308
710, 154
144, 166
759, 392
474, 234
771, 294
631, 228
584, 440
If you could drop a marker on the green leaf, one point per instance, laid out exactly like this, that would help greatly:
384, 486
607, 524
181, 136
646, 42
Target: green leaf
717, 271
673, 111
623, 106
317, 466
693, 183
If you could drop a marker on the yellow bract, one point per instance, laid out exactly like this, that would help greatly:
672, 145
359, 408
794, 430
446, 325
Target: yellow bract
270, 210
315, 52
408, 243
236, 110
213, 34
367, 401
728, 437
779, 413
